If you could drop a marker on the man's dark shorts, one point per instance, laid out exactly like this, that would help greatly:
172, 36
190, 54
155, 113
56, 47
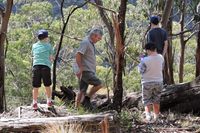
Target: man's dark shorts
39, 73
88, 78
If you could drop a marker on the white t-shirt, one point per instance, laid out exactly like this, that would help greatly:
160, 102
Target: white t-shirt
151, 68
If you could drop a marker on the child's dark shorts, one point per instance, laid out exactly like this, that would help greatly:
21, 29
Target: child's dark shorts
88, 78
151, 92
39, 73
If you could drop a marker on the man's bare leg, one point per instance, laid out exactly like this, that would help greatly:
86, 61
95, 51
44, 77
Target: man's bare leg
93, 90
79, 98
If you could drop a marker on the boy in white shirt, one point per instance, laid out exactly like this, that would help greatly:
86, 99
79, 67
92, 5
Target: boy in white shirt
152, 80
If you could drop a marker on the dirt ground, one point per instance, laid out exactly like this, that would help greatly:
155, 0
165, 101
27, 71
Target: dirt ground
133, 122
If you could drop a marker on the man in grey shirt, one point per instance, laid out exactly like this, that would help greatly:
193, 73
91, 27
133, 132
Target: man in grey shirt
86, 61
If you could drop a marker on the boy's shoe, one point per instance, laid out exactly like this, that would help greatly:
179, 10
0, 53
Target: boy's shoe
155, 117
35, 106
148, 118
50, 104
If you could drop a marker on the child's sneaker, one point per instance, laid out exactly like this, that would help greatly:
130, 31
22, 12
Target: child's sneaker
35, 106
148, 117
49, 104
155, 117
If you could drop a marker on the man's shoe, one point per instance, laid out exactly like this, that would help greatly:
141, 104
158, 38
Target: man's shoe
35, 106
87, 104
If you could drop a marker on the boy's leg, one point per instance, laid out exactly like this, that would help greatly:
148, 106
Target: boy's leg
35, 94
148, 112
48, 94
146, 98
46, 77
156, 99
36, 83
156, 108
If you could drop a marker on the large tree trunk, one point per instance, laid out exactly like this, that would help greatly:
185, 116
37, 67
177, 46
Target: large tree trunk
170, 54
119, 24
4, 25
167, 12
182, 42
167, 24
198, 52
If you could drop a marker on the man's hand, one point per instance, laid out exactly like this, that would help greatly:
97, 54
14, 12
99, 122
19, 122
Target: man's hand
79, 74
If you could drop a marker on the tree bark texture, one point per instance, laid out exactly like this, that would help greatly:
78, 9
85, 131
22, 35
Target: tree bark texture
198, 53
3, 31
119, 24
182, 98
90, 122
182, 42
166, 24
167, 12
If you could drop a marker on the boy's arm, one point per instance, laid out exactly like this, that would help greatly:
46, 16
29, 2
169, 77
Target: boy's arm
52, 56
142, 68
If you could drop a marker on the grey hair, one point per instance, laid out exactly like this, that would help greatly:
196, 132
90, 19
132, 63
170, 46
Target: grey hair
96, 31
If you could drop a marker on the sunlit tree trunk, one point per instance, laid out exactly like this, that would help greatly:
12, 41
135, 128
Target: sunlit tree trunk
120, 43
3, 31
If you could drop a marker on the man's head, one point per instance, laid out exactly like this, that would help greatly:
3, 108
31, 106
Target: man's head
96, 35
42, 34
154, 20
150, 47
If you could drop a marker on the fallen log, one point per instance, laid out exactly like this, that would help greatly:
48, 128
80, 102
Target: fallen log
183, 98
102, 122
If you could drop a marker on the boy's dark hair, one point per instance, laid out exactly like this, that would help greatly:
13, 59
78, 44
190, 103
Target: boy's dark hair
150, 46
154, 19
42, 34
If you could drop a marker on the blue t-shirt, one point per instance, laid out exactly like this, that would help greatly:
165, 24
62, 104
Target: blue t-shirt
157, 36
41, 53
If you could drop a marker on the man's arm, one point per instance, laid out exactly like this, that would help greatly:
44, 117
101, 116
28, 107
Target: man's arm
78, 61
165, 48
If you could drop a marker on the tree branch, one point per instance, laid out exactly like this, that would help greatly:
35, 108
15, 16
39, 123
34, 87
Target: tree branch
60, 43
61, 10
191, 36
189, 30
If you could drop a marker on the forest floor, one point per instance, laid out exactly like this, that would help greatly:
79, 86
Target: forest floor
131, 120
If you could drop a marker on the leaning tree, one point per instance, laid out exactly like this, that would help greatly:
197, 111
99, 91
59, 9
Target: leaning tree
5, 15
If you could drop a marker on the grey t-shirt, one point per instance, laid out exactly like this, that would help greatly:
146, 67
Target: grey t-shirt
157, 36
87, 49
151, 68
